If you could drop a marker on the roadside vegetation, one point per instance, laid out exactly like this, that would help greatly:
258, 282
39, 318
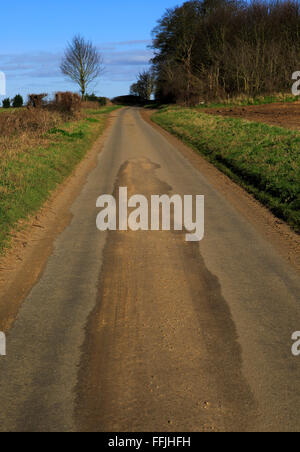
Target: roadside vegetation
40, 147
42, 142
245, 101
263, 159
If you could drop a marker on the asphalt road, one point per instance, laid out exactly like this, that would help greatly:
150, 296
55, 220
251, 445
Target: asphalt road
143, 331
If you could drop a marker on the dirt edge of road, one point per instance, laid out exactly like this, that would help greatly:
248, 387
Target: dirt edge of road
25, 260
272, 229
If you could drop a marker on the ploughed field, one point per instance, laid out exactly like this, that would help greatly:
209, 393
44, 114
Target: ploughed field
277, 114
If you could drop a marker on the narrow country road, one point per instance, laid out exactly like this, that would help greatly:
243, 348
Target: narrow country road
143, 331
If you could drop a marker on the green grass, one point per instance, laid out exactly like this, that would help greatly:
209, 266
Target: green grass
259, 100
8, 110
263, 159
28, 178
103, 110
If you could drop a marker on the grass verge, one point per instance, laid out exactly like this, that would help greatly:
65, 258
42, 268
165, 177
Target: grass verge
28, 177
244, 101
265, 160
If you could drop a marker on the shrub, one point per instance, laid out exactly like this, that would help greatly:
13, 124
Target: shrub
89, 105
36, 100
68, 102
93, 98
18, 101
6, 103
28, 122
102, 101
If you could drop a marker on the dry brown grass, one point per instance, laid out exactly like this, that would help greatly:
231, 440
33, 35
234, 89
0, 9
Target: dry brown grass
67, 102
30, 120
38, 150
25, 128
89, 104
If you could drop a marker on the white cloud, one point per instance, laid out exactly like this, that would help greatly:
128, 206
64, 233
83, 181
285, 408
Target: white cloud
122, 60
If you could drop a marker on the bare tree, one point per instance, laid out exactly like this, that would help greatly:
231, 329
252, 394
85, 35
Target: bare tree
82, 63
135, 89
145, 85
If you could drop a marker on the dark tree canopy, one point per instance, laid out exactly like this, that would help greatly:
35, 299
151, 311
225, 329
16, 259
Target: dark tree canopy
6, 103
212, 49
82, 63
18, 101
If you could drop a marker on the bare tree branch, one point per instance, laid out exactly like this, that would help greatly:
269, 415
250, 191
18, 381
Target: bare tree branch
144, 86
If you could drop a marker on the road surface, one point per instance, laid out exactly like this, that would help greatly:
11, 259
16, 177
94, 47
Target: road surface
143, 331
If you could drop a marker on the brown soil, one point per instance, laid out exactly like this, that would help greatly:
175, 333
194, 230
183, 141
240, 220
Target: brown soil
280, 114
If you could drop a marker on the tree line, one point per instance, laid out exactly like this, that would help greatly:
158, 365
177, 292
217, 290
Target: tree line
16, 102
82, 63
214, 49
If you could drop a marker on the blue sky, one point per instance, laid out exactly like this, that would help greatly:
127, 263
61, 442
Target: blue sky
34, 34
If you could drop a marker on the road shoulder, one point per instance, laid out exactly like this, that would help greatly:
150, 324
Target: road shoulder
23, 264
